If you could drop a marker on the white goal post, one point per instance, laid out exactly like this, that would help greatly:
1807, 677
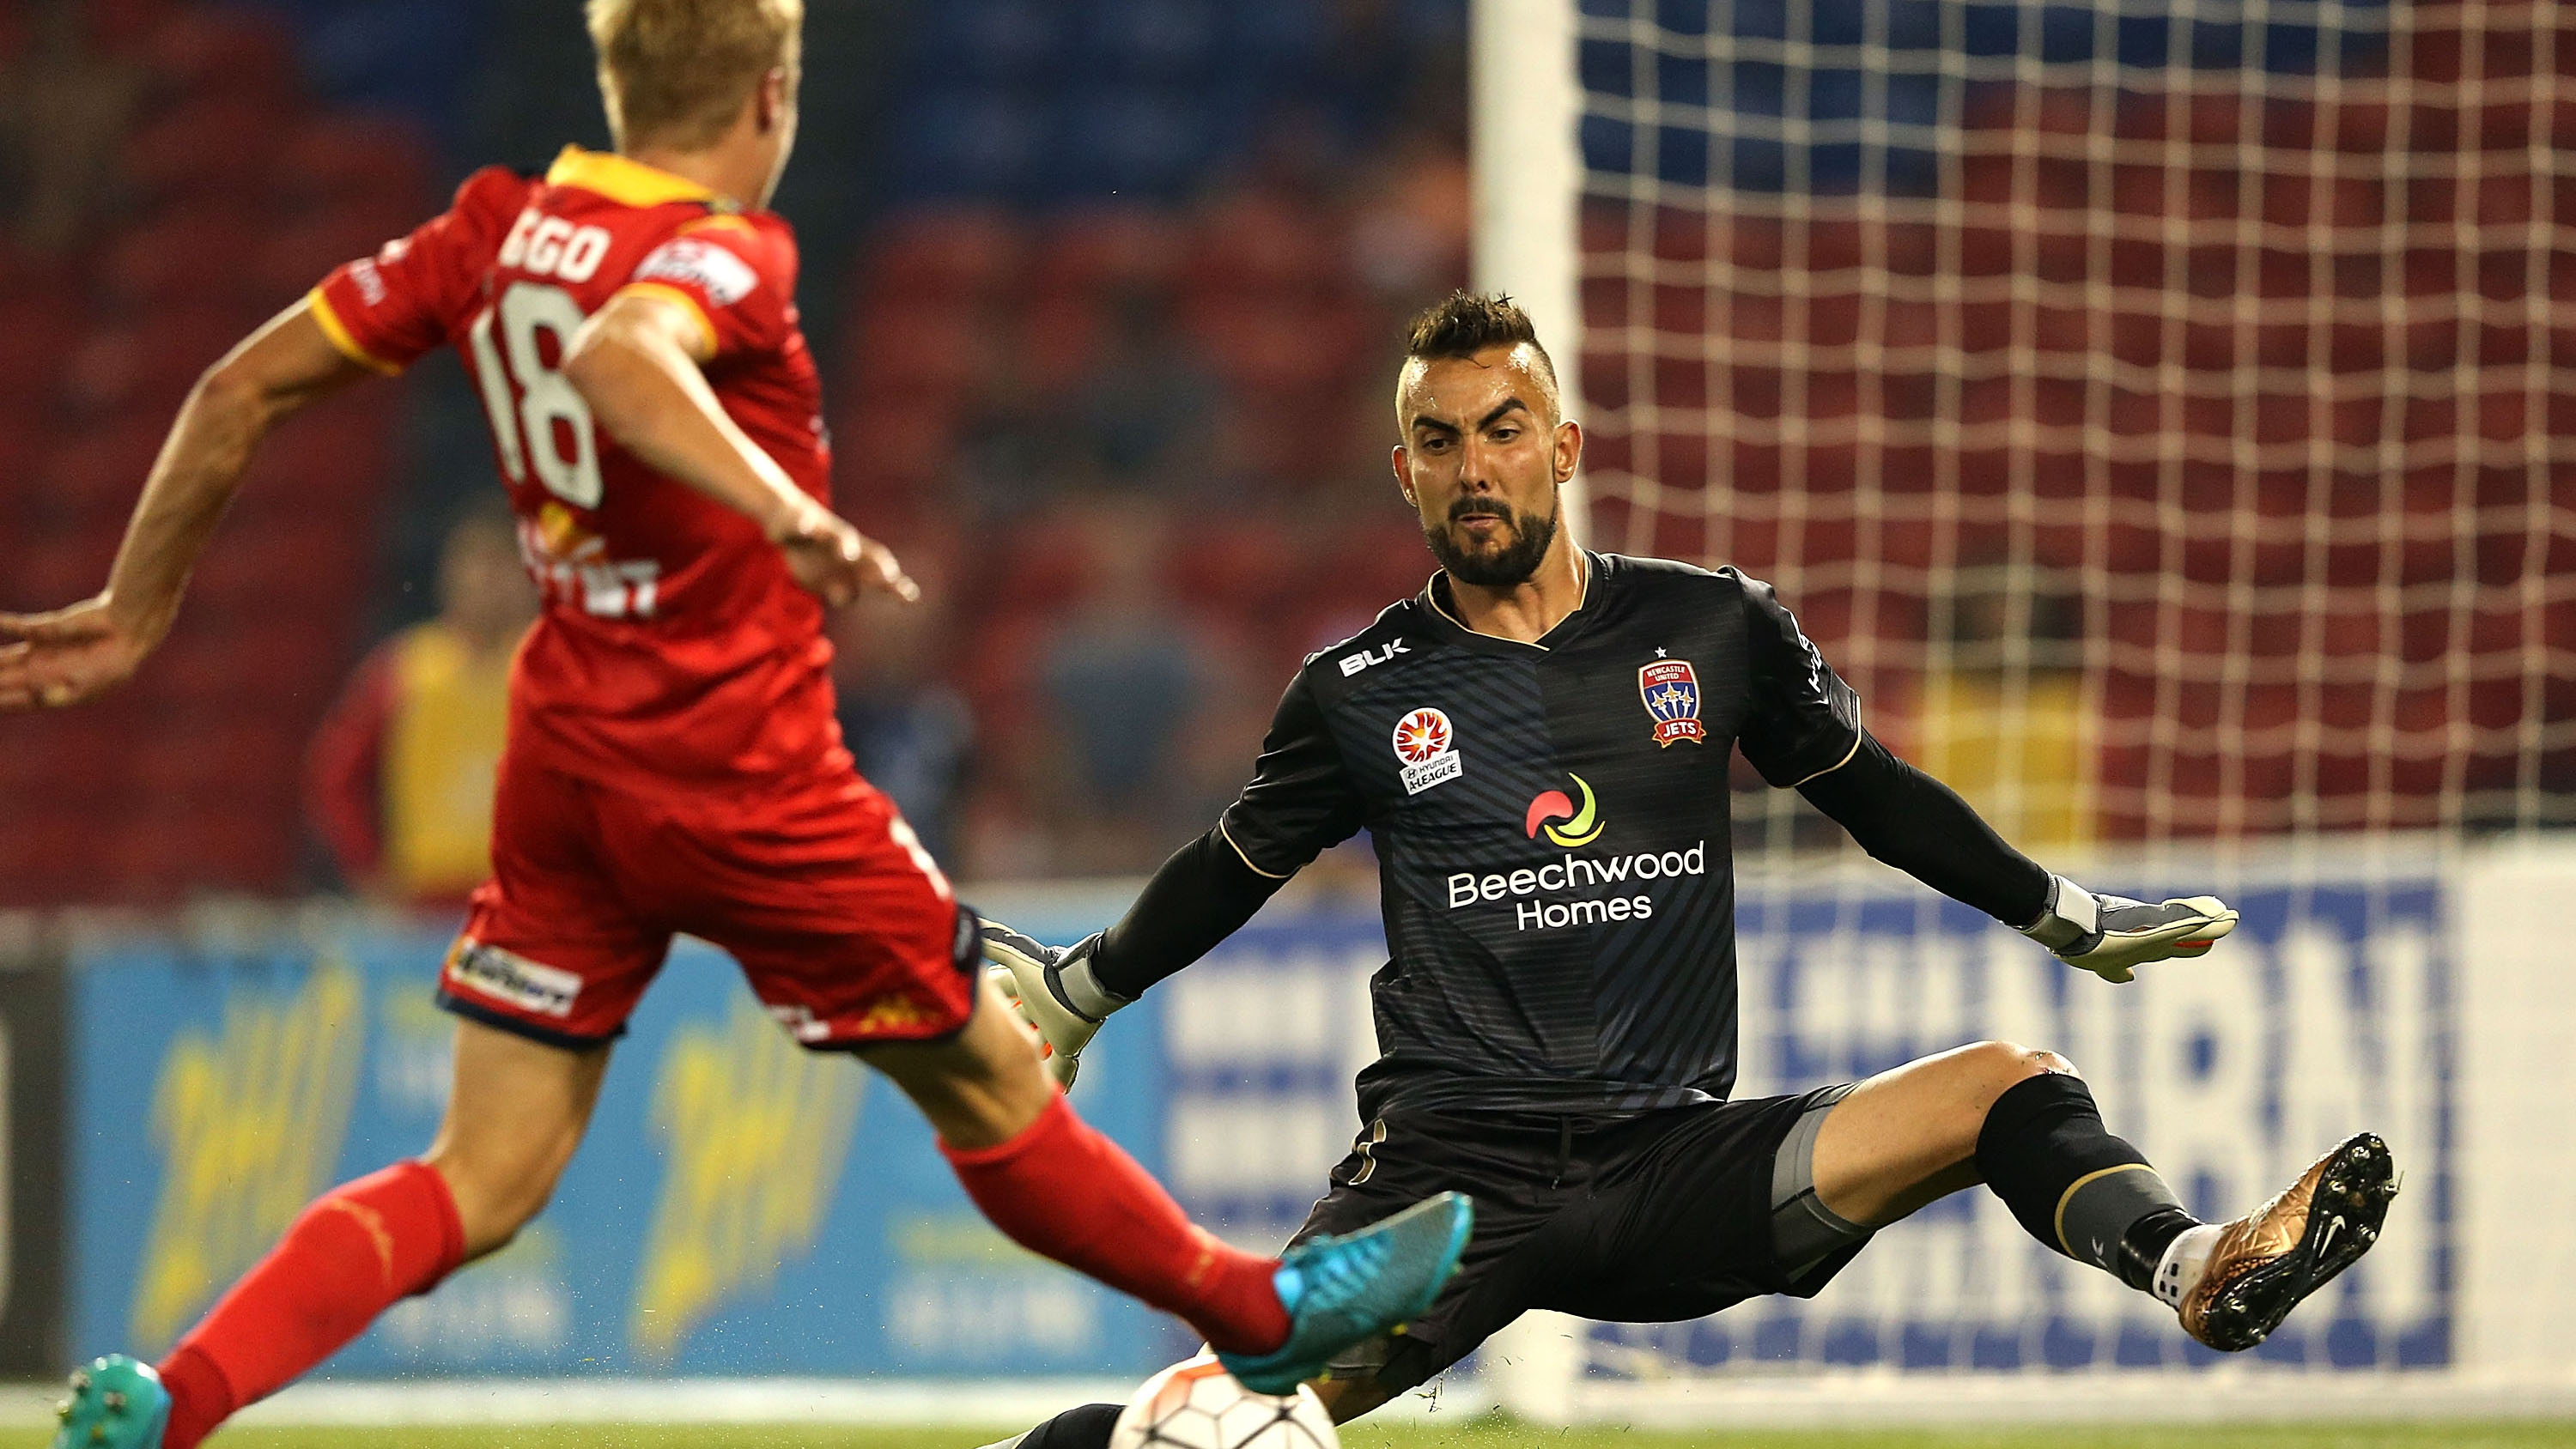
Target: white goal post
1528, 179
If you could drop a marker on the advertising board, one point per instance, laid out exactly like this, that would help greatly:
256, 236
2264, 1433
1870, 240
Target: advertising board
740, 1205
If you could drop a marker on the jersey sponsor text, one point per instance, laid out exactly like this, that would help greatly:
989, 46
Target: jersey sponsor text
513, 978
710, 268
1575, 872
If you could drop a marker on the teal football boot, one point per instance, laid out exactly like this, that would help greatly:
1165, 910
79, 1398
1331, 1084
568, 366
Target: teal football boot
1340, 1290
116, 1403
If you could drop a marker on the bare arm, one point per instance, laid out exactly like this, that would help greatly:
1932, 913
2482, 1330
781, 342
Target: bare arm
70, 654
636, 362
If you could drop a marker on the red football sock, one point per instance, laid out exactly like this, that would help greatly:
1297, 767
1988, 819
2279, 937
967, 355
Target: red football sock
1062, 1189
358, 1250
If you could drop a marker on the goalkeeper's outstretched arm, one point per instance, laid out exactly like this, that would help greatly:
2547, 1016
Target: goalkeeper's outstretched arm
1913, 822
1300, 803
1202, 895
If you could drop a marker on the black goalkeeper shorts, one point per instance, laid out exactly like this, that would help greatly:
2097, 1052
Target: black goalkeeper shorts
1649, 1217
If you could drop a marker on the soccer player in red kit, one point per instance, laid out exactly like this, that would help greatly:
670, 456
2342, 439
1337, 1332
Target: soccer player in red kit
672, 763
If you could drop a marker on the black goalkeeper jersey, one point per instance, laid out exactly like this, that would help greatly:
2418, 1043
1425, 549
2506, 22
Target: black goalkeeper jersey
1551, 824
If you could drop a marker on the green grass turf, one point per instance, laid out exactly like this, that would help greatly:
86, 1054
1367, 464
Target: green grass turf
1478, 1433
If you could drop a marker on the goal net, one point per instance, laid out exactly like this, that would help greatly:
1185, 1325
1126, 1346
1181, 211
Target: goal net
2164, 413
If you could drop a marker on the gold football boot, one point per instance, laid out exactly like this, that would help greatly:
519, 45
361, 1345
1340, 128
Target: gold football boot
2265, 1262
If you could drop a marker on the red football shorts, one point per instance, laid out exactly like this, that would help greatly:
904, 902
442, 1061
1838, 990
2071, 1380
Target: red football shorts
845, 928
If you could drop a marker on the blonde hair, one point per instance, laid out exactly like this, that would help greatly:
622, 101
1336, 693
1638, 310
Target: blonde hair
677, 72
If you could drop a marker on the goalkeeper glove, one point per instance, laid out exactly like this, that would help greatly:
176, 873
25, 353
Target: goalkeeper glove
1061, 1013
2110, 936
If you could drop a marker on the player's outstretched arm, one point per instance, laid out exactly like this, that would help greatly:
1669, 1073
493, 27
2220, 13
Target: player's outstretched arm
61, 658
1202, 895
1913, 822
636, 363
1299, 804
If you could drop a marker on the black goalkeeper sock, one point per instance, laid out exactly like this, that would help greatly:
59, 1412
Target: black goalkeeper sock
2074, 1186
1084, 1428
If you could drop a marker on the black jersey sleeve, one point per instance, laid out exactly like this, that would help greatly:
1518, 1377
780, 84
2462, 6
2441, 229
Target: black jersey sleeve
1301, 801
1202, 895
1905, 818
1801, 718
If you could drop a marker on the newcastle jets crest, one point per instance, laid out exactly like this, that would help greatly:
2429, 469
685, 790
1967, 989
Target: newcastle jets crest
1671, 692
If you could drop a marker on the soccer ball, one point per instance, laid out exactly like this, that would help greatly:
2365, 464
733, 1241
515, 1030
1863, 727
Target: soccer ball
1198, 1405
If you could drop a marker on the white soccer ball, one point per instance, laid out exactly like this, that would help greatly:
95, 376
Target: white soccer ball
1198, 1405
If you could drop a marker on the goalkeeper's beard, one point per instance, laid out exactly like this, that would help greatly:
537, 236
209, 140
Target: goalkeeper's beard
1502, 568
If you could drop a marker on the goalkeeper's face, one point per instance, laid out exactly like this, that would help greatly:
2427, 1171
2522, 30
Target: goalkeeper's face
1483, 461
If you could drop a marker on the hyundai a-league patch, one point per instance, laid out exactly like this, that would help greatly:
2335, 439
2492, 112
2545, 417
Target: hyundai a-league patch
1672, 696
1428, 748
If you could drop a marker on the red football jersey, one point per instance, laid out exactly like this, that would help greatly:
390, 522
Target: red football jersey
675, 652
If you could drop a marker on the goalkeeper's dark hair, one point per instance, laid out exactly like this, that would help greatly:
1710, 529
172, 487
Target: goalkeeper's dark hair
1466, 323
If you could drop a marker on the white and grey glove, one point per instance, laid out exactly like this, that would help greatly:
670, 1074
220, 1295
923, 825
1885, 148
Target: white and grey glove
2111, 936
1051, 990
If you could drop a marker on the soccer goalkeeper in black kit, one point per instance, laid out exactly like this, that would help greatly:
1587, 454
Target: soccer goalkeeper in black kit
1538, 745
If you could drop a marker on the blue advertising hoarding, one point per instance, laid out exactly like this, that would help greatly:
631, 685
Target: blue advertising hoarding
740, 1205
2331, 1010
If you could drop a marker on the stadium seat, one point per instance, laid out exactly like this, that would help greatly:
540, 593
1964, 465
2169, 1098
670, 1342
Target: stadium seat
162, 260
1814, 539
887, 448
206, 147
1607, 384
998, 669
1235, 565
49, 569
1148, 40
1255, 243
276, 666
1042, 565
1274, 344
43, 328
292, 565
920, 355
48, 856
218, 50
147, 364
946, 256
22, 441
247, 764
967, 141
292, 254
993, 40
1906, 543
1127, 140
1094, 250
369, 162
92, 475
157, 858
1375, 561
1058, 338
1280, 37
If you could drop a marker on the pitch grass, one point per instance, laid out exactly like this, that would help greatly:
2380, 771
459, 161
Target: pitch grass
1489, 1432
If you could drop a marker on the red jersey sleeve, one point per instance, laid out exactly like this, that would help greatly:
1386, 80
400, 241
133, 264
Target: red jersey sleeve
415, 294
737, 274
